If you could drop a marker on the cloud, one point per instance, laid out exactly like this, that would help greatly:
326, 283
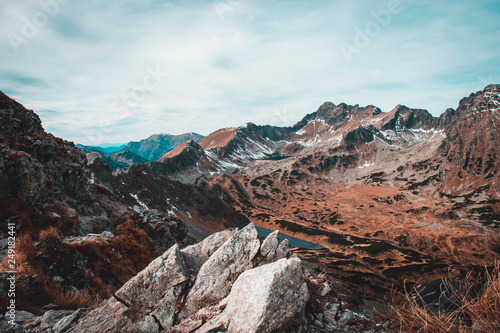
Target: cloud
232, 62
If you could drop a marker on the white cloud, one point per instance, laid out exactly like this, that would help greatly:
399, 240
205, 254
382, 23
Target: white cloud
239, 66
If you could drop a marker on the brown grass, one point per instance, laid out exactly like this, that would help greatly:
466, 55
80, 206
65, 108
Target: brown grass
25, 252
112, 263
482, 308
18, 154
50, 292
49, 234
109, 265
70, 300
32, 222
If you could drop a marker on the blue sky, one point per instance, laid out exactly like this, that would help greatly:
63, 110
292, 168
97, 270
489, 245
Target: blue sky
120, 70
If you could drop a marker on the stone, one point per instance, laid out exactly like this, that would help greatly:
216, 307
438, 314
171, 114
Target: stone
148, 325
111, 317
283, 250
270, 245
7, 327
326, 289
196, 255
146, 301
318, 323
188, 325
346, 318
268, 298
330, 314
158, 287
217, 274
23, 317
226, 295
67, 322
50, 318
51, 306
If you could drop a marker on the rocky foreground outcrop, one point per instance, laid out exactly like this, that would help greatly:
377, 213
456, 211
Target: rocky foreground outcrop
230, 282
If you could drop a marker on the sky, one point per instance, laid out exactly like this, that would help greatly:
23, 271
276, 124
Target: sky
114, 71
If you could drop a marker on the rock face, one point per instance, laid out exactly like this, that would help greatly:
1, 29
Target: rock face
260, 298
210, 286
47, 188
35, 165
217, 273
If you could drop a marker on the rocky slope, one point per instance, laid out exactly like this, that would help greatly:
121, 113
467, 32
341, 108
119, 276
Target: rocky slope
230, 282
68, 226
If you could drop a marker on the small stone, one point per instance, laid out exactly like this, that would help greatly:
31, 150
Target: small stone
346, 318
23, 317
318, 323
50, 306
326, 289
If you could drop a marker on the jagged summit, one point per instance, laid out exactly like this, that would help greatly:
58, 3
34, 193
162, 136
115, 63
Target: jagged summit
473, 131
158, 145
185, 147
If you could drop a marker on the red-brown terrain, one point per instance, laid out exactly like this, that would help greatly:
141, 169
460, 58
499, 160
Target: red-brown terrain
390, 196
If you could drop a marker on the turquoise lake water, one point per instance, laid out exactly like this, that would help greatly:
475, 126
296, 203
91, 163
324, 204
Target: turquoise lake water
294, 242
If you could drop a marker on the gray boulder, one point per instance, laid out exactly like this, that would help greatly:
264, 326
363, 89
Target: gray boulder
206, 287
146, 301
7, 327
45, 323
268, 298
64, 324
196, 255
217, 274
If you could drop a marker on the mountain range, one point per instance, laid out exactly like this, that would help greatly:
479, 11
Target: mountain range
385, 193
386, 198
149, 149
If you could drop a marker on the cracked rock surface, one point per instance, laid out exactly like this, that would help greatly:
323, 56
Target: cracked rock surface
219, 284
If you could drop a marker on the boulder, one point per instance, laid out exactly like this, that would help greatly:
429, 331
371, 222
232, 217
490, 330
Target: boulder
146, 301
283, 250
268, 298
7, 327
23, 317
111, 317
217, 274
205, 287
64, 324
196, 255
45, 323
270, 245
272, 250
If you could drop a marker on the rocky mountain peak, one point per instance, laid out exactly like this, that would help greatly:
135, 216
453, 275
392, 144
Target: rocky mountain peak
473, 132
35, 165
487, 100
19, 126
403, 116
158, 145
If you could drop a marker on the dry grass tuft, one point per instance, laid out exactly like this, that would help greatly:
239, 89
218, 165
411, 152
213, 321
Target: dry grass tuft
110, 264
49, 234
70, 300
476, 310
